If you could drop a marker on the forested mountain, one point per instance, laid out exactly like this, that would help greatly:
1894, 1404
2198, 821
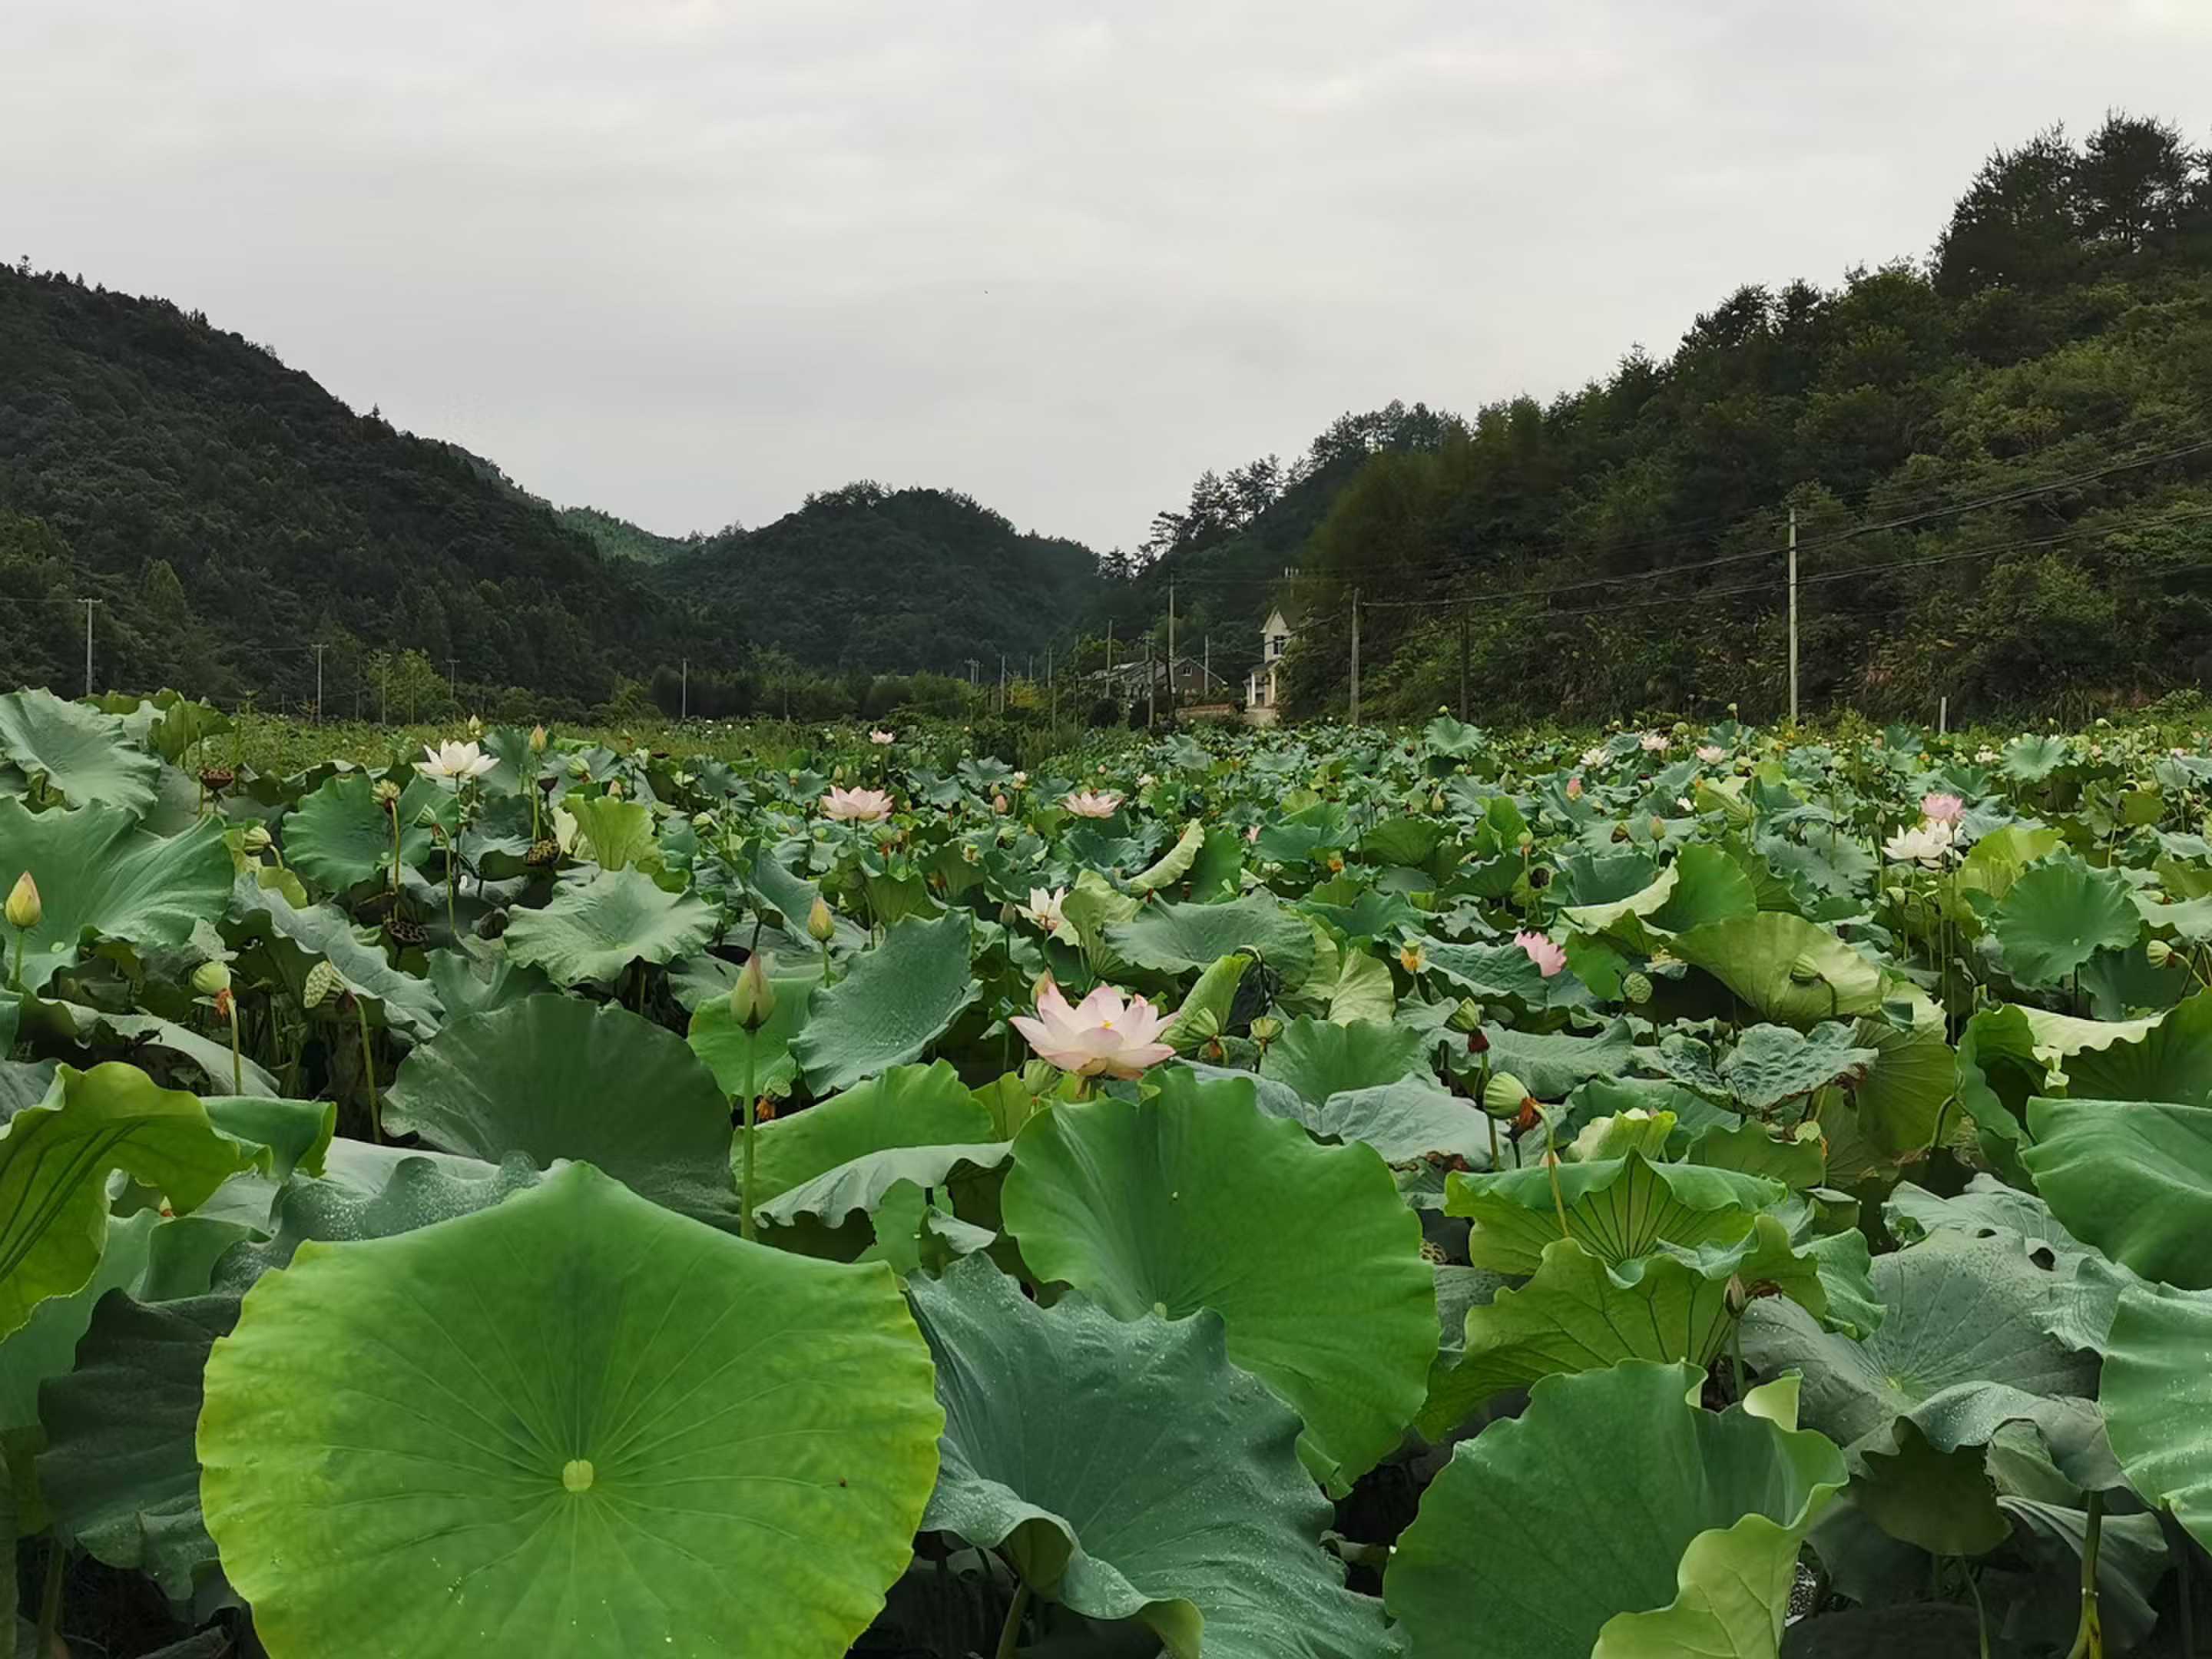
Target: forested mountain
2062, 327
894, 580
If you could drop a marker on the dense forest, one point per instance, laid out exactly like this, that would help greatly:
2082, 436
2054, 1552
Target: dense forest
1999, 458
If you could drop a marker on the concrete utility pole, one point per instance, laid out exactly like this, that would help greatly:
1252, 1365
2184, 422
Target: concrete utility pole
1206, 666
1002, 682
1171, 650
1110, 646
1793, 616
87, 605
683, 696
384, 689
454, 678
1051, 685
1152, 686
319, 651
1355, 656
1462, 664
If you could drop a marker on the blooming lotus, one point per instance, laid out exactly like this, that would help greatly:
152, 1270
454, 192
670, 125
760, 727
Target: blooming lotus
1094, 803
881, 738
1940, 808
857, 805
1593, 756
1548, 958
1043, 908
1985, 758
1574, 788
1145, 779
1655, 743
1927, 842
1102, 1034
1711, 753
455, 762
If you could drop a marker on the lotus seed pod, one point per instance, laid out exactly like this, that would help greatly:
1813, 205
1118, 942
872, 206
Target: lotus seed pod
1502, 1097
323, 983
2157, 953
1266, 1029
752, 999
24, 908
211, 979
821, 925
1637, 988
387, 792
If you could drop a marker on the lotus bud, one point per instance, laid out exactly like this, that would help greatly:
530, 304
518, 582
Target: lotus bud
1737, 1297
2157, 953
537, 739
323, 983
256, 838
1574, 788
476, 726
997, 803
211, 979
24, 908
614, 789
752, 999
1658, 828
1525, 841
1436, 801
1637, 988
821, 925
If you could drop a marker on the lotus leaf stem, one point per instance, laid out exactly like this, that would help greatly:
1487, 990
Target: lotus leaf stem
49, 1601
747, 1226
2089, 1639
1009, 1634
368, 1074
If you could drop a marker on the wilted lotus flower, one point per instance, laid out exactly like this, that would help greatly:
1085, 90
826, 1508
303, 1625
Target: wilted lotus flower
455, 762
1942, 809
1927, 842
881, 738
1655, 743
1547, 957
998, 803
1711, 753
1094, 803
857, 805
1043, 908
1251, 833
1593, 756
1101, 1034
1574, 788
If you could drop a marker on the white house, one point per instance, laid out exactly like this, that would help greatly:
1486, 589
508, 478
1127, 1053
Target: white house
1262, 692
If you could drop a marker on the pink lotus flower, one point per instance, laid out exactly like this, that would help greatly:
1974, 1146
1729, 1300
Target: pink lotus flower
1094, 803
1710, 753
857, 805
1251, 833
1574, 788
1102, 1034
1547, 957
1942, 809
880, 738
1655, 743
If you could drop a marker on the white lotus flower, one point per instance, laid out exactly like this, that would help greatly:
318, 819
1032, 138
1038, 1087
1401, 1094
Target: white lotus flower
455, 762
1043, 909
1927, 842
1094, 804
857, 805
1655, 743
1711, 753
1102, 1034
881, 738
1594, 757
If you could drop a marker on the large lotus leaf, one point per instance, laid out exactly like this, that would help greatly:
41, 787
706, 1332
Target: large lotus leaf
616, 833
1492, 972
120, 1473
1131, 1471
1181, 939
1363, 990
1789, 970
1710, 887
864, 1183
1999, 857
2006, 1055
2171, 1060
1962, 1350
86, 755
213, 1057
591, 932
2157, 1397
792, 897
554, 1077
475, 982
1173, 864
297, 938
2132, 1177
1771, 1064
101, 876
1321, 1057
1155, 1207
735, 1054
1616, 1208
1406, 1122
2059, 914
1553, 1064
55, 1158
907, 1106
1897, 1106
341, 835
1614, 1520
572, 1425
893, 1002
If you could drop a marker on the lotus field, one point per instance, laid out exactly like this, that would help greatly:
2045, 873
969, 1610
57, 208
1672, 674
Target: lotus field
1304, 1195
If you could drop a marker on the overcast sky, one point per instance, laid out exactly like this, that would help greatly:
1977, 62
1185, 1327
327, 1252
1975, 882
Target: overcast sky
688, 259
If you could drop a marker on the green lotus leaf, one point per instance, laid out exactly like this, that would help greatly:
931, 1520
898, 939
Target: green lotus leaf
54, 1161
46, 1344
2006, 1055
591, 933
1173, 864
1363, 990
2167, 1058
1181, 939
1962, 1350
101, 876
1617, 1209
792, 898
1771, 1064
1406, 1122
1321, 1057
341, 835
1682, 1538
1710, 887
1494, 972
556, 1077
1596, 918
728, 1049
120, 1473
1204, 1014
2059, 914
412, 1445
862, 1184
212, 1057
475, 982
1942, 1502
1898, 1105
1151, 1207
892, 1003
298, 938
1792, 1158
86, 755
2000, 858
1553, 1064
906, 1106
1789, 970
2157, 1397
618, 834
1130, 1470
2132, 1177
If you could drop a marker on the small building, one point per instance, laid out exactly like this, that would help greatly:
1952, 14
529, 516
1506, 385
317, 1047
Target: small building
1263, 686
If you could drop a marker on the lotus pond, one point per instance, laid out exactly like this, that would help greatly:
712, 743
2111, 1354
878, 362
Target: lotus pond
1301, 1196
